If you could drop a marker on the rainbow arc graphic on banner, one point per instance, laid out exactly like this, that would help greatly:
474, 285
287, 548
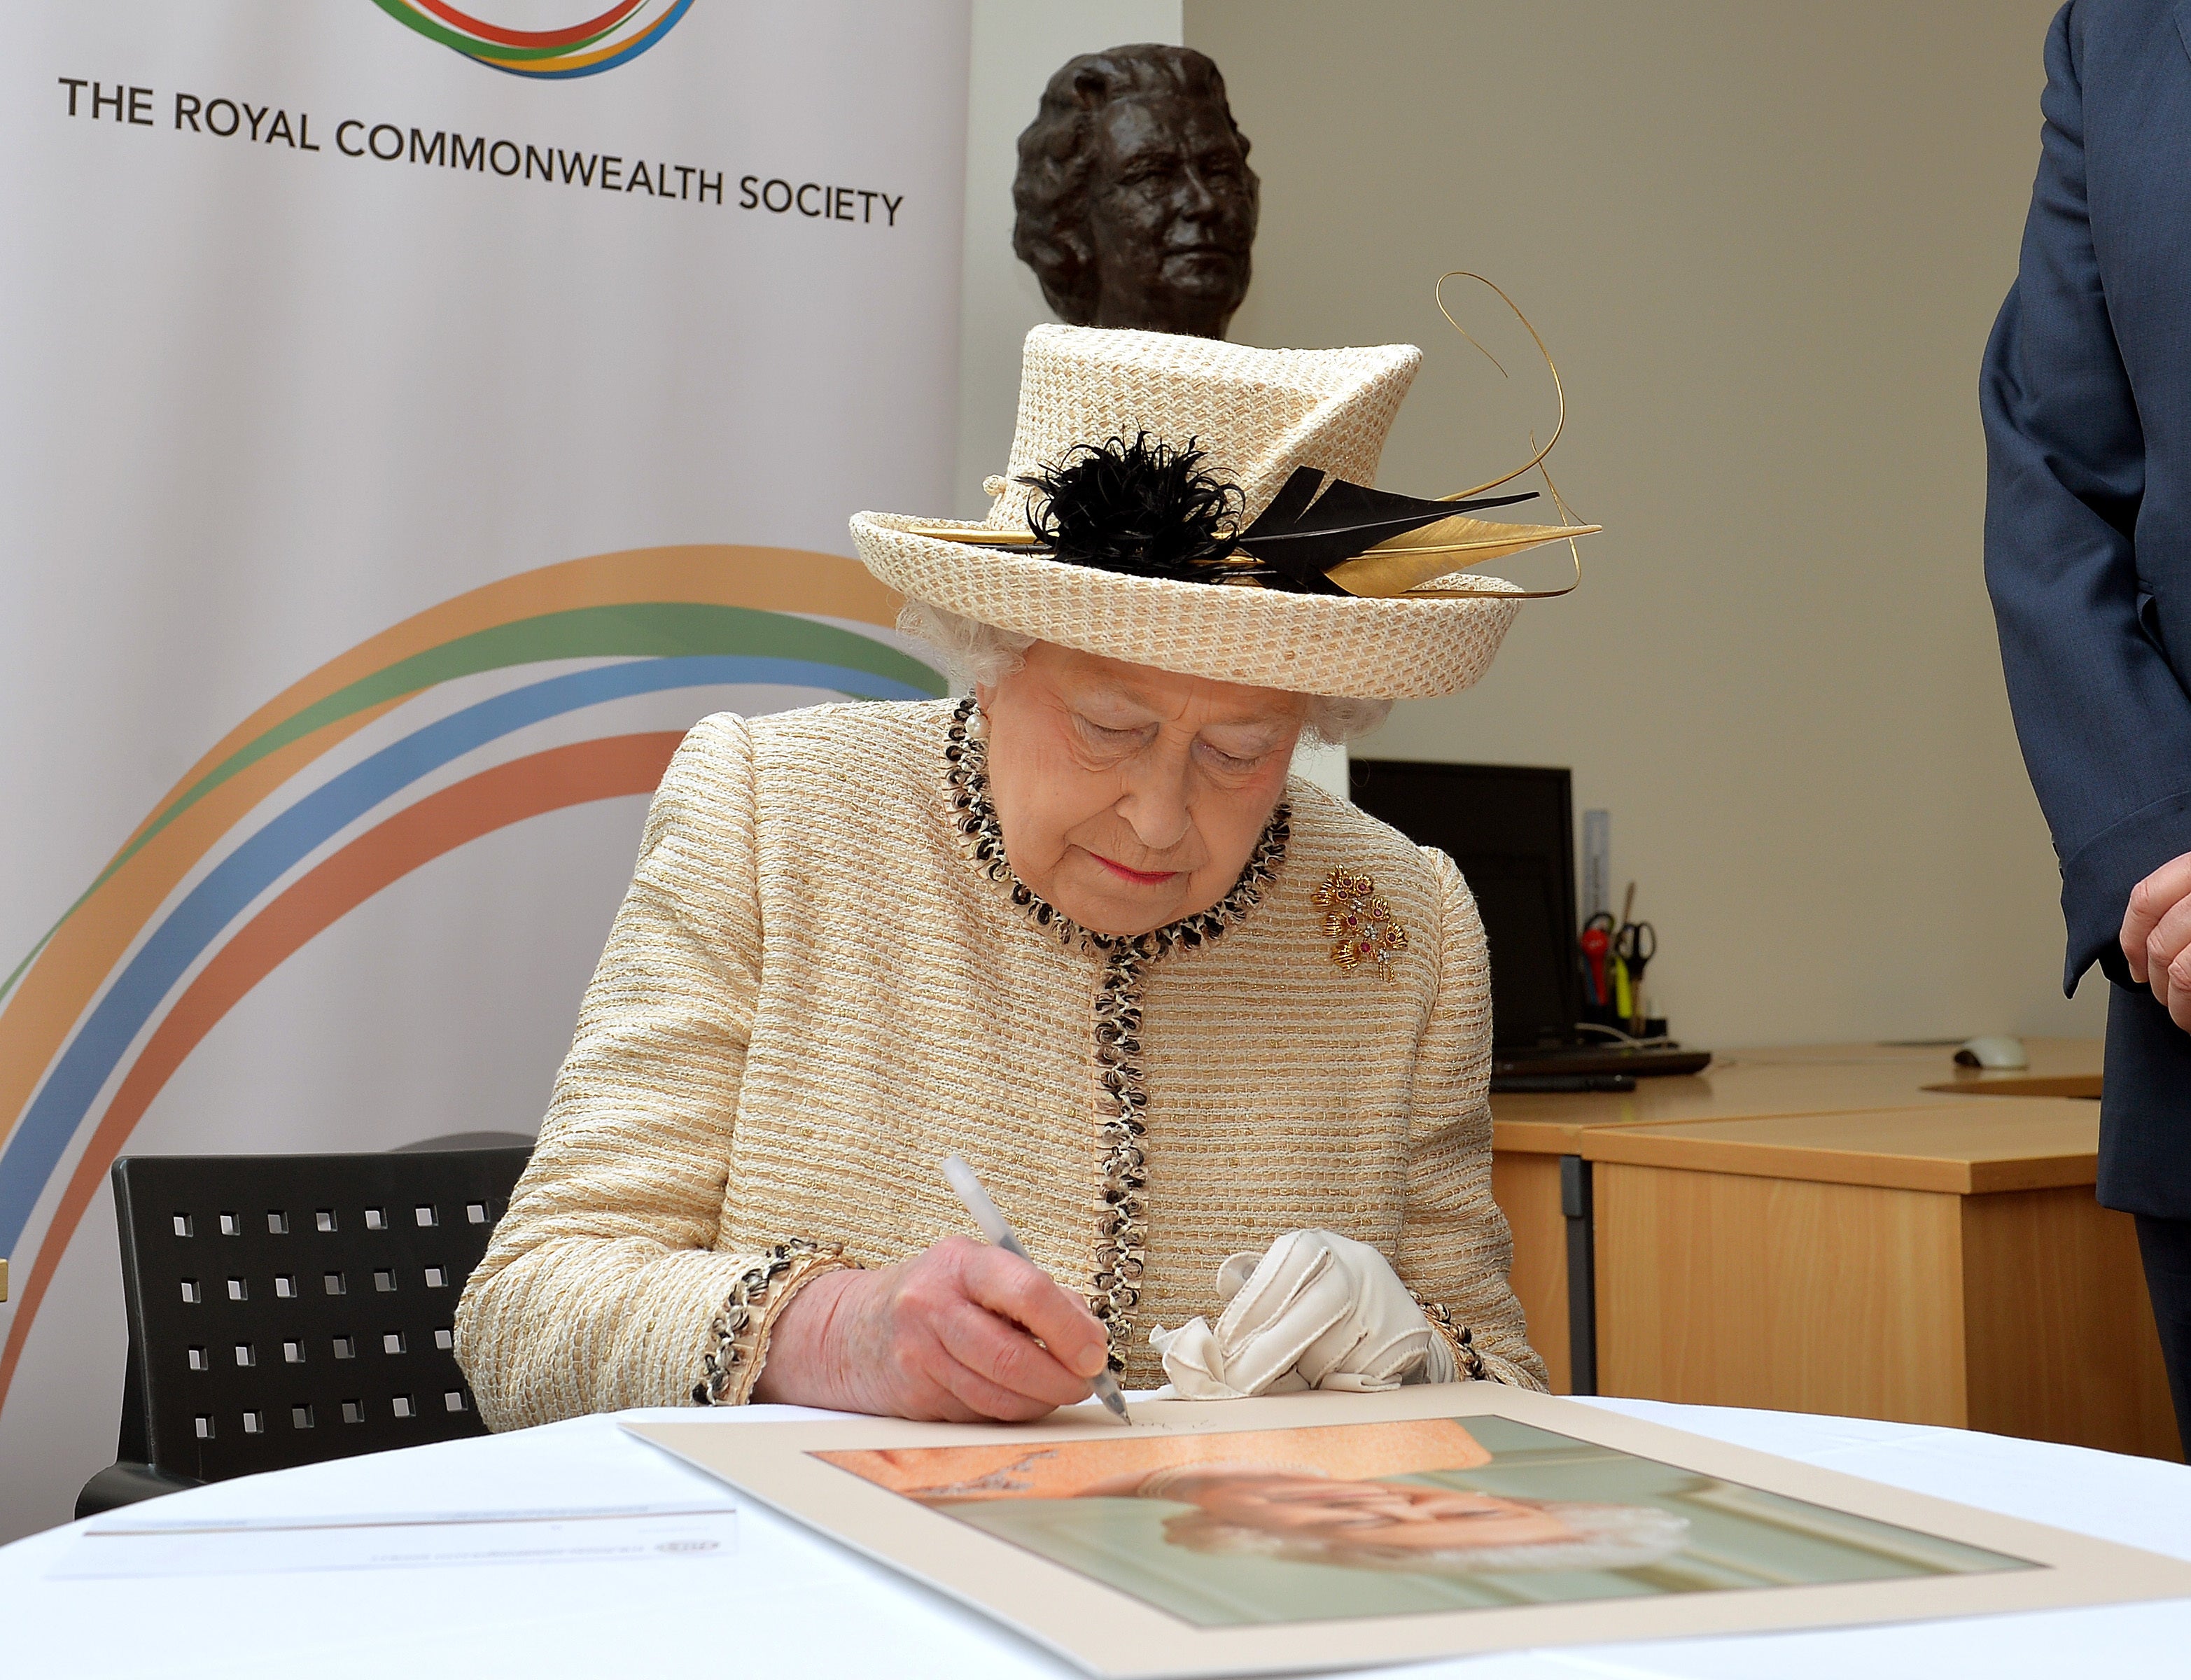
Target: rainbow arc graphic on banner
186, 920
616, 36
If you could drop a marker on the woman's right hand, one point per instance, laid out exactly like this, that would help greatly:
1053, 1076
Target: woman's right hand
961, 1333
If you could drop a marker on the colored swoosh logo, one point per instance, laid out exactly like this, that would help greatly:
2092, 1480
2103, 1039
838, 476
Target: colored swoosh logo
178, 927
616, 36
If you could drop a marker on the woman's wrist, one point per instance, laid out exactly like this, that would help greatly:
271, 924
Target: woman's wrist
798, 1365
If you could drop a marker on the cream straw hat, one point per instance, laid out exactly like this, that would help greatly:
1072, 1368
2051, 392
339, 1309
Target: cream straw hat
1260, 415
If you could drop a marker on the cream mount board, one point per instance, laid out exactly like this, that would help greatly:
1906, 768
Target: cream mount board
1228, 1538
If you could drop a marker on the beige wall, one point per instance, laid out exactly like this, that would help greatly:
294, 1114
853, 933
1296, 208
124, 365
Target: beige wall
1765, 241
1017, 45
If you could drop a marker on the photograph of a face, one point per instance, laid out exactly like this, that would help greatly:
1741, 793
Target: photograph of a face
1399, 1517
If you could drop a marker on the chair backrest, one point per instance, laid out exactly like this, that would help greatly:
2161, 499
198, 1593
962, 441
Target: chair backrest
285, 1309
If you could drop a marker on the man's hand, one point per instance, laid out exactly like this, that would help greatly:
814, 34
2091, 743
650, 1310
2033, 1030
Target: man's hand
960, 1333
2156, 937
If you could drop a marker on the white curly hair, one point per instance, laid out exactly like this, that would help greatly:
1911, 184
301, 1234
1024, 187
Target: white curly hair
970, 652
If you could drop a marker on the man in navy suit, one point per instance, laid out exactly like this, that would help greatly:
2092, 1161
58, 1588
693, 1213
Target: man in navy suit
2086, 399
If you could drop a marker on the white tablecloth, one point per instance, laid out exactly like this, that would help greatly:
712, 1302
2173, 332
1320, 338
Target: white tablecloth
788, 1603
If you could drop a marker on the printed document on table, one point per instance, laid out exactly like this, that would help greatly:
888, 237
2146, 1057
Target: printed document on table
124, 1545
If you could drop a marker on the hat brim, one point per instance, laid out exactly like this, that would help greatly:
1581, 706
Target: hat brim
1391, 649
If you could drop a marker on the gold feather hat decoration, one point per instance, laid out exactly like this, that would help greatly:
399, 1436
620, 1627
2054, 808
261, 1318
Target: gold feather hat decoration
1208, 508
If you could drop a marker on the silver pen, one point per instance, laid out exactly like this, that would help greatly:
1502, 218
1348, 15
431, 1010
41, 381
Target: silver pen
969, 1190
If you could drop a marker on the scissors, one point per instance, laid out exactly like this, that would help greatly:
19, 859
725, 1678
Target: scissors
1595, 940
1636, 944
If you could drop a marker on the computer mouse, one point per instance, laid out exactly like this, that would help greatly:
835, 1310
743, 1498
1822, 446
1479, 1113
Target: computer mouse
1993, 1050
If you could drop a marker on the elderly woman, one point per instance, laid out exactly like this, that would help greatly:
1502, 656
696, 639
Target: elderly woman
1218, 1042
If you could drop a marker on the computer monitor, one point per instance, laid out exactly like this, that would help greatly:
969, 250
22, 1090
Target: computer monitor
1511, 830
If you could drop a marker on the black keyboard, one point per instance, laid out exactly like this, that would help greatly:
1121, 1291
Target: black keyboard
1567, 1062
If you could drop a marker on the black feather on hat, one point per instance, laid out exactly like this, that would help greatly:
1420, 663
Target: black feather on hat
1147, 510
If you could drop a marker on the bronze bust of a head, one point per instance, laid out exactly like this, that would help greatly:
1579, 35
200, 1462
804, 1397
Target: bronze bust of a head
1137, 205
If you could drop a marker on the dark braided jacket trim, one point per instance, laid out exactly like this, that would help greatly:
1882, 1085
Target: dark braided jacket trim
1114, 1286
1459, 1340
739, 1334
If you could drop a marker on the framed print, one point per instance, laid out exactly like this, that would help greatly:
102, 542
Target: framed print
1339, 1530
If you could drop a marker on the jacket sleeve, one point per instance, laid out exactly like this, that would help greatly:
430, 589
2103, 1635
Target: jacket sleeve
2105, 724
1454, 1248
602, 1286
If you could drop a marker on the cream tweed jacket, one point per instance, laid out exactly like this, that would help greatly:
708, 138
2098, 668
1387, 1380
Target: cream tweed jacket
815, 991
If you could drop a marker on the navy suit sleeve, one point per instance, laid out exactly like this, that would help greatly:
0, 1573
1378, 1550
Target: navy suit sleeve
2105, 724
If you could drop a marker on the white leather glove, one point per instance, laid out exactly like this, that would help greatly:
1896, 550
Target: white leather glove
1316, 1310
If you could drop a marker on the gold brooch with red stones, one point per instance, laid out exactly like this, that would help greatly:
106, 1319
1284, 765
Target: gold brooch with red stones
1359, 921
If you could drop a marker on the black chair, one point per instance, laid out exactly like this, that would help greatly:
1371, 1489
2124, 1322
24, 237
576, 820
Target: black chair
285, 1309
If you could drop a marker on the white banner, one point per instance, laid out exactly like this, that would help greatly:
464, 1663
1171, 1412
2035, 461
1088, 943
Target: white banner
410, 419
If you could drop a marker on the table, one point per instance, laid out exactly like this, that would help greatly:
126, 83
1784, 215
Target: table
1841, 1228
1539, 1178
1942, 1265
790, 1603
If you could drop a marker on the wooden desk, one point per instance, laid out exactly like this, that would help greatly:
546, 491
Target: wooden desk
1945, 1264
1805, 1142
1806, 1080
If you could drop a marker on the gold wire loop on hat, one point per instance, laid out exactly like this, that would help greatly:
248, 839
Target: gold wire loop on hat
1559, 389
1536, 460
